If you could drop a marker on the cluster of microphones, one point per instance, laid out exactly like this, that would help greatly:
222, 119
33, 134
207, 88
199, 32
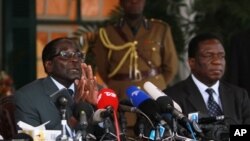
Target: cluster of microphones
159, 117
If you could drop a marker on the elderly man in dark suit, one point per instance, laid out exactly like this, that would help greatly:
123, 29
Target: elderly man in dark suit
63, 62
206, 58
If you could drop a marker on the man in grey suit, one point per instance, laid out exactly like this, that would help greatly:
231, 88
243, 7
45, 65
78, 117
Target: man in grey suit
64, 63
206, 58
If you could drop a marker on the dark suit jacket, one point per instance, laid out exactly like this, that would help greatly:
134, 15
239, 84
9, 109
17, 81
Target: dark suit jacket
235, 101
34, 105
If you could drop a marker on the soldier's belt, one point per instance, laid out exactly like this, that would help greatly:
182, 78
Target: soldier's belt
144, 75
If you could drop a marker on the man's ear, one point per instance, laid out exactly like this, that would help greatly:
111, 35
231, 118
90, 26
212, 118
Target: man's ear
48, 66
191, 62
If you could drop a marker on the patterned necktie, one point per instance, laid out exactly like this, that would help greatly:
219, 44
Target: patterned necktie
213, 108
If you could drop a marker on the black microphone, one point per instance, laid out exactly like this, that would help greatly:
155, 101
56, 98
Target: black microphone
147, 105
125, 108
205, 118
143, 102
83, 106
169, 106
184, 121
59, 94
177, 114
101, 114
83, 112
63, 101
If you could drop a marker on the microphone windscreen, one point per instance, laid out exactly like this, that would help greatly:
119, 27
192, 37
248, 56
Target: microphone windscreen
156, 94
151, 109
164, 101
136, 95
59, 94
107, 97
126, 102
177, 106
143, 102
63, 101
83, 106
152, 90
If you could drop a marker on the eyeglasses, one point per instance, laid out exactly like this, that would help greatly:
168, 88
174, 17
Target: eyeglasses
70, 54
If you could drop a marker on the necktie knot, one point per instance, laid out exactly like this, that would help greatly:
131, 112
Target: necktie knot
210, 91
71, 92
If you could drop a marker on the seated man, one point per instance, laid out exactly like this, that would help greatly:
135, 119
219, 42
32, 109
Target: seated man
64, 63
204, 91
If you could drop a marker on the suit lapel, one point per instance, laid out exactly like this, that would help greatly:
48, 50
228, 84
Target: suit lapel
195, 97
226, 99
49, 86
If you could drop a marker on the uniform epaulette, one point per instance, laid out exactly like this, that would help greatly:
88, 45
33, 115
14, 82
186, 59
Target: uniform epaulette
158, 21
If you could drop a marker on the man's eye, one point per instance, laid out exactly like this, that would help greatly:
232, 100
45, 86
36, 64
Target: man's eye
208, 55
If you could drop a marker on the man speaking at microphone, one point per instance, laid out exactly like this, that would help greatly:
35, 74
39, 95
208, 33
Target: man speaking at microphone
204, 91
64, 64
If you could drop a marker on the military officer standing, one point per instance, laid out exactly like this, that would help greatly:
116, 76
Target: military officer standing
135, 50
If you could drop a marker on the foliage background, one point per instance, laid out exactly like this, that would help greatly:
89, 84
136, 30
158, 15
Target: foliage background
189, 17
225, 17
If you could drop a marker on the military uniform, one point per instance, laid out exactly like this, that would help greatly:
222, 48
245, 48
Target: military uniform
156, 56
124, 59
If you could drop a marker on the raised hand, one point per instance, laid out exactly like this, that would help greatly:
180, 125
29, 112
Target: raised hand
87, 86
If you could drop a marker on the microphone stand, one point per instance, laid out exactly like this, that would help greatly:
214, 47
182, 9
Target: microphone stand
107, 126
157, 133
84, 125
175, 135
141, 129
63, 102
123, 125
82, 133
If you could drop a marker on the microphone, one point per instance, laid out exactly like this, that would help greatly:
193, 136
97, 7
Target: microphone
147, 105
81, 107
164, 101
160, 96
105, 100
83, 119
82, 111
59, 94
63, 101
125, 108
143, 102
204, 118
169, 106
107, 97
101, 114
